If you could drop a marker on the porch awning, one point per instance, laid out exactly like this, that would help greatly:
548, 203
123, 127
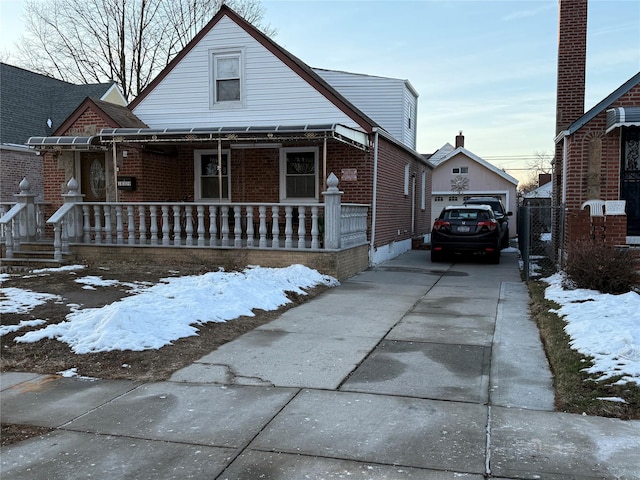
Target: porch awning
623, 117
64, 143
254, 134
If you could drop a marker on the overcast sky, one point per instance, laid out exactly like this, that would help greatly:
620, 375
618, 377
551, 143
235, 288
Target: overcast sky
487, 68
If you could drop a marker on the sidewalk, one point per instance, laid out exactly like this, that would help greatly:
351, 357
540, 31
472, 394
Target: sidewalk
411, 370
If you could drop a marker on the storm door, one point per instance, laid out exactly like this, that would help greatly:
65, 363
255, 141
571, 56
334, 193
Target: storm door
630, 178
93, 176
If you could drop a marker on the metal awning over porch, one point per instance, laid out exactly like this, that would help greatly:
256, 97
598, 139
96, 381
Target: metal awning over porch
623, 117
338, 132
109, 136
65, 143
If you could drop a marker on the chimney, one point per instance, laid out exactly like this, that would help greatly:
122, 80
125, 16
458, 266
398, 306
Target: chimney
543, 179
460, 140
572, 59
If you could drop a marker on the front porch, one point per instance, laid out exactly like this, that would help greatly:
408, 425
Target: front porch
330, 237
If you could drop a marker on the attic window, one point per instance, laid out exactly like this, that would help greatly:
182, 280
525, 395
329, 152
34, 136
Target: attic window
459, 170
227, 79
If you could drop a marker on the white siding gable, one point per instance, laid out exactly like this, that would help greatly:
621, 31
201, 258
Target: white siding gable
274, 94
390, 102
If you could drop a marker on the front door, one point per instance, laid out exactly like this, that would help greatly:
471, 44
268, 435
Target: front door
630, 181
93, 176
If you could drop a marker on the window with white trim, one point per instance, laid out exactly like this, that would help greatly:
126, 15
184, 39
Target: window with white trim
439, 199
299, 173
406, 179
227, 79
211, 174
453, 198
423, 191
459, 170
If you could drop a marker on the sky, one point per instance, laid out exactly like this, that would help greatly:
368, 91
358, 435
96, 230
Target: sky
603, 326
487, 68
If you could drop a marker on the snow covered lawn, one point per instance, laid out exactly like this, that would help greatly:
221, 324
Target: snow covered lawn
603, 326
157, 315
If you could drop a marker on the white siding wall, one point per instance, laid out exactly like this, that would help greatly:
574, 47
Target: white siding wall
386, 100
275, 95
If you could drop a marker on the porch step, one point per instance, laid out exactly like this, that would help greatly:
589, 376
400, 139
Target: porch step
33, 255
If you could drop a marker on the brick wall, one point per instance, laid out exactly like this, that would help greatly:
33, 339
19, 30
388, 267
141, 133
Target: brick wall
16, 164
583, 181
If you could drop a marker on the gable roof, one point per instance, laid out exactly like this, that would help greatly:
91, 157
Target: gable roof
294, 63
543, 191
601, 106
113, 115
30, 100
447, 152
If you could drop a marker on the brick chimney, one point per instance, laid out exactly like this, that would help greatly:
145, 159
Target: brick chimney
460, 140
572, 59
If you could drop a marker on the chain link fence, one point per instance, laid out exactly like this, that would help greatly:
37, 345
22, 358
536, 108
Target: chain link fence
535, 241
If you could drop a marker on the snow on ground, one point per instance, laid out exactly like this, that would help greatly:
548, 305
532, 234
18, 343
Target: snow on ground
173, 308
603, 326
16, 300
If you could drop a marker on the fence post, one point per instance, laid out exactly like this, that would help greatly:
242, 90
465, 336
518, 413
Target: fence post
526, 240
27, 220
73, 220
332, 213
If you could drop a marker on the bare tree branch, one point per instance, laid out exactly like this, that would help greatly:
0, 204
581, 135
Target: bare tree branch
126, 41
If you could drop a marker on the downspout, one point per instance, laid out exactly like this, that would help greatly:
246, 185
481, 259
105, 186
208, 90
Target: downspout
220, 169
324, 164
115, 172
374, 199
565, 148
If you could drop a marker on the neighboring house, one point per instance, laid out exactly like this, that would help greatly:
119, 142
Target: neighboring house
459, 174
238, 140
36, 105
597, 153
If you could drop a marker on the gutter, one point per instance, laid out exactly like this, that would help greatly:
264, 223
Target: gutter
374, 200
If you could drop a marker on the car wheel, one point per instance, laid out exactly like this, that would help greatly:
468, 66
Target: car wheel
494, 257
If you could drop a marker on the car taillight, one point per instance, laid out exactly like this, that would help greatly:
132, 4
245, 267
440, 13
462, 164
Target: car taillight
441, 224
491, 224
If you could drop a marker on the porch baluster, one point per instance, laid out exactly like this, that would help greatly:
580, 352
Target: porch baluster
201, 230
237, 226
131, 225
225, 225
153, 227
65, 237
143, 224
314, 227
8, 238
86, 223
288, 227
301, 227
250, 232
107, 224
263, 227
166, 228
177, 227
119, 226
275, 227
189, 225
213, 225
57, 241
97, 224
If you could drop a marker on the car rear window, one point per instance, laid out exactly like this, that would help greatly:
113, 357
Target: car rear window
466, 215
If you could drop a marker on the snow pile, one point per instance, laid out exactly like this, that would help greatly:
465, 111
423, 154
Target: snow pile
173, 308
16, 300
603, 326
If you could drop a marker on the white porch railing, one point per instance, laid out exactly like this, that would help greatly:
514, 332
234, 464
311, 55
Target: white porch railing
298, 226
22, 220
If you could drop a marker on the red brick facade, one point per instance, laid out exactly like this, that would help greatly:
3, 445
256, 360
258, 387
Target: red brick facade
165, 173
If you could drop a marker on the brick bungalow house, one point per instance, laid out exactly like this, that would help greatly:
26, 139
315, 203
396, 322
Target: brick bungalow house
596, 174
234, 150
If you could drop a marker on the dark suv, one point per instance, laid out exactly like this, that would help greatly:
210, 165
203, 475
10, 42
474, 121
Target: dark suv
500, 213
461, 229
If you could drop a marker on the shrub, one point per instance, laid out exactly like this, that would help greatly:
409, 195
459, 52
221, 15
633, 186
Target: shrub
599, 267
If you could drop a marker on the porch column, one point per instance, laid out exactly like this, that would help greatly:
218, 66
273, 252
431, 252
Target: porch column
27, 220
332, 213
73, 220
